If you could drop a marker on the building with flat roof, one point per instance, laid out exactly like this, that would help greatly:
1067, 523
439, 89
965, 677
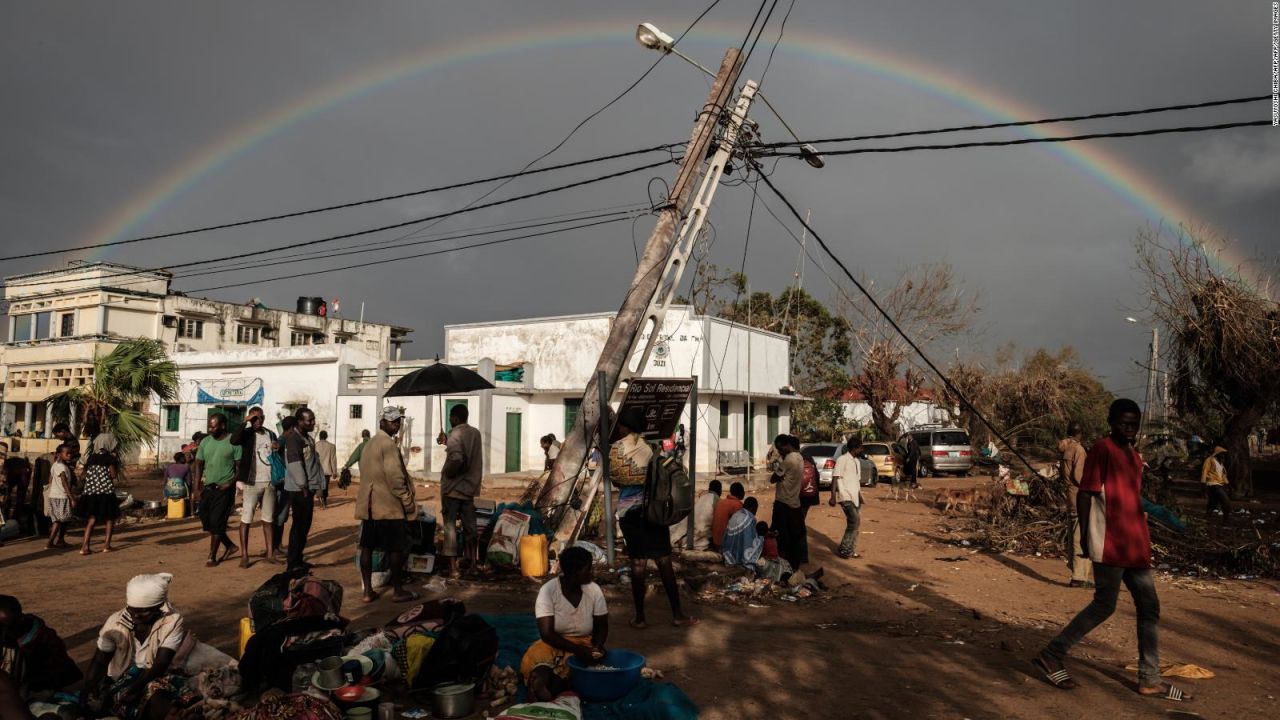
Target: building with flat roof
57, 321
540, 368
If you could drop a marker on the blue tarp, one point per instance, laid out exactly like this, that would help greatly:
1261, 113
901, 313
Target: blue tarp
648, 701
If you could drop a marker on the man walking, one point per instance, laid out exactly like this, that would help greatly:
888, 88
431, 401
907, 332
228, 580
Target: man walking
1118, 542
846, 491
1213, 474
459, 486
328, 453
385, 505
214, 474
256, 444
305, 479
1071, 470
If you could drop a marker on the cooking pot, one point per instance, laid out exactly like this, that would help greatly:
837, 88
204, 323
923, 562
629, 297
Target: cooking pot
453, 700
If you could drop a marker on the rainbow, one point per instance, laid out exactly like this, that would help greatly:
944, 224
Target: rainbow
1123, 180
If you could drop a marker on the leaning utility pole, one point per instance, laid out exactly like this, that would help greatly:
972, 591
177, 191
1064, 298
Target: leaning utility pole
557, 496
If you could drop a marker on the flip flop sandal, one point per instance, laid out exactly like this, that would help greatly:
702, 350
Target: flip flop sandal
1173, 694
1058, 678
229, 553
407, 597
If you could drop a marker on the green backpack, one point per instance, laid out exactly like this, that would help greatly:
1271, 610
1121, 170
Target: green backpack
668, 491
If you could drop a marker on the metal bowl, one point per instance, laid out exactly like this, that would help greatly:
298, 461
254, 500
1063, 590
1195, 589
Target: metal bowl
453, 700
152, 505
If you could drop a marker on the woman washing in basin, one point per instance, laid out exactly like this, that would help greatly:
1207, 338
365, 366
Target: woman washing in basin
573, 619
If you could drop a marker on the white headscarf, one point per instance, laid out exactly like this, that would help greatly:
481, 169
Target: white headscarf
147, 591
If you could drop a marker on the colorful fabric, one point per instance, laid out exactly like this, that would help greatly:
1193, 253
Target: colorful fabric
1118, 534
291, 707
742, 544
629, 461
541, 654
172, 687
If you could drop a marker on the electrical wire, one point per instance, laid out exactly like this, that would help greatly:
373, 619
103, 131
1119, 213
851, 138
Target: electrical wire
964, 401
343, 206
1025, 123
437, 216
344, 268
621, 214
760, 32
776, 42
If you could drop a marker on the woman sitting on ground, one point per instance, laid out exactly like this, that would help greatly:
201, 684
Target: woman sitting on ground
573, 619
132, 674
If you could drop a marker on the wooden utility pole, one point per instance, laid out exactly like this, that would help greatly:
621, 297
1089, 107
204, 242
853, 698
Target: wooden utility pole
555, 498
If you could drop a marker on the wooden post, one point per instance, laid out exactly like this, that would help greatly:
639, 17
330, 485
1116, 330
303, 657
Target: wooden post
558, 498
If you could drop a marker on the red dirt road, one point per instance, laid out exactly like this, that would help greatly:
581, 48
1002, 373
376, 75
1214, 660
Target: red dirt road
918, 628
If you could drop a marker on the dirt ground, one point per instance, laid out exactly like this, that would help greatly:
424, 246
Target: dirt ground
918, 628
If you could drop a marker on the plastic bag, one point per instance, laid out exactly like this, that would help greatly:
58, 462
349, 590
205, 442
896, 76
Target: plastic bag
565, 707
504, 547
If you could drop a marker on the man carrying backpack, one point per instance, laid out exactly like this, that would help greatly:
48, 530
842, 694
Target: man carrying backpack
629, 461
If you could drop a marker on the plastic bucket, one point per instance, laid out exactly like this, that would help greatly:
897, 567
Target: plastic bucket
597, 685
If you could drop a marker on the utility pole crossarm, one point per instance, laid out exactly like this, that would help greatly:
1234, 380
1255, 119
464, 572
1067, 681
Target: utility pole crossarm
556, 497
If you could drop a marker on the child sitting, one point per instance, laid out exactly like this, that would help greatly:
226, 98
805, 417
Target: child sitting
770, 551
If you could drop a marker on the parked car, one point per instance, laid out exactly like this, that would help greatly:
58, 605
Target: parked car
824, 457
942, 450
879, 453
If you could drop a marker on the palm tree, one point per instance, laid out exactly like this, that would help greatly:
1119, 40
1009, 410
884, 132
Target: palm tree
123, 381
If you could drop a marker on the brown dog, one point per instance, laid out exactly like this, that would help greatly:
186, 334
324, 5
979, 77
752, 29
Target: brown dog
956, 499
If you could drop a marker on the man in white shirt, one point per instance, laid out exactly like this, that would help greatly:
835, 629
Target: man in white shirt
846, 490
704, 511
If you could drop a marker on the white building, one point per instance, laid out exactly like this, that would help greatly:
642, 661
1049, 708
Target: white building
542, 366
921, 410
58, 320
279, 380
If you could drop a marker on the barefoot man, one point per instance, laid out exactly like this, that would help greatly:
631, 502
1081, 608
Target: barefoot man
1109, 503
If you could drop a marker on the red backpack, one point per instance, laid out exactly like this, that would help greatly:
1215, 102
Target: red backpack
809, 485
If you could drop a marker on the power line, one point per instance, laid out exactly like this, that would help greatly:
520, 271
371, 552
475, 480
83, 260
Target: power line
760, 32
397, 241
446, 251
776, 42
621, 214
1024, 123
1031, 141
343, 206
894, 324
345, 236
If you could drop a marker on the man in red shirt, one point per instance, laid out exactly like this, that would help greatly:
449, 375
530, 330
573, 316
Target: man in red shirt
1109, 504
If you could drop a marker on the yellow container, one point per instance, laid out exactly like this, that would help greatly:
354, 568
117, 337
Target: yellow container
177, 509
246, 632
533, 556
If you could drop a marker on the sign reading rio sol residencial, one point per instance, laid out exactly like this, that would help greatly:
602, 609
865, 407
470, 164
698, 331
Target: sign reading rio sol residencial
661, 400
229, 392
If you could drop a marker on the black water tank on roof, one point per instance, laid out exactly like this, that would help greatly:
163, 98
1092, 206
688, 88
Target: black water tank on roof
307, 305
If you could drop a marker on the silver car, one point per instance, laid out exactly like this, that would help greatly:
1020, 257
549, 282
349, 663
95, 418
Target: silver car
942, 450
824, 457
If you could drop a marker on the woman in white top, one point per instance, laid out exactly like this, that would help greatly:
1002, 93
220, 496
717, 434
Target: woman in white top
573, 619
139, 648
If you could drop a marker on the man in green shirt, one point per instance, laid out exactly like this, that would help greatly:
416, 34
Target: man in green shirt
214, 471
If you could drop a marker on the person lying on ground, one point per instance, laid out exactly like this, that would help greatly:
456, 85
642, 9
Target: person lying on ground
573, 619
48, 667
742, 541
133, 673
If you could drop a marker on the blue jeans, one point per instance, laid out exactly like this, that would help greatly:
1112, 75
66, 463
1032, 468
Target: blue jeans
852, 519
1141, 584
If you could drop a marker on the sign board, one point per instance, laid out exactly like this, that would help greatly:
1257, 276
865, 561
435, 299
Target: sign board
229, 392
661, 400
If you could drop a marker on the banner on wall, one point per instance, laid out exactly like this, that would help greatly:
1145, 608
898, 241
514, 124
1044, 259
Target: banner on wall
229, 392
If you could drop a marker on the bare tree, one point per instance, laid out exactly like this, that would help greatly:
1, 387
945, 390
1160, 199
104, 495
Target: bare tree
928, 305
1225, 335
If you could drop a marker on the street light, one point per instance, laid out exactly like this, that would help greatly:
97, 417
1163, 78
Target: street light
651, 37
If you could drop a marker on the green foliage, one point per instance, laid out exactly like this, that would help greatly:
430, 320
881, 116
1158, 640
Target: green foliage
123, 382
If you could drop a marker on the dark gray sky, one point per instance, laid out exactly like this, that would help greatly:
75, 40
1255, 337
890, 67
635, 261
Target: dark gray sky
130, 118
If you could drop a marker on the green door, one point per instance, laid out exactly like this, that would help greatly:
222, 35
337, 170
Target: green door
749, 427
513, 442
235, 416
571, 408
448, 409
771, 421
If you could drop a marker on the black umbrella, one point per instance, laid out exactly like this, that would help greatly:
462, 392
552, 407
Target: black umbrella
438, 379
